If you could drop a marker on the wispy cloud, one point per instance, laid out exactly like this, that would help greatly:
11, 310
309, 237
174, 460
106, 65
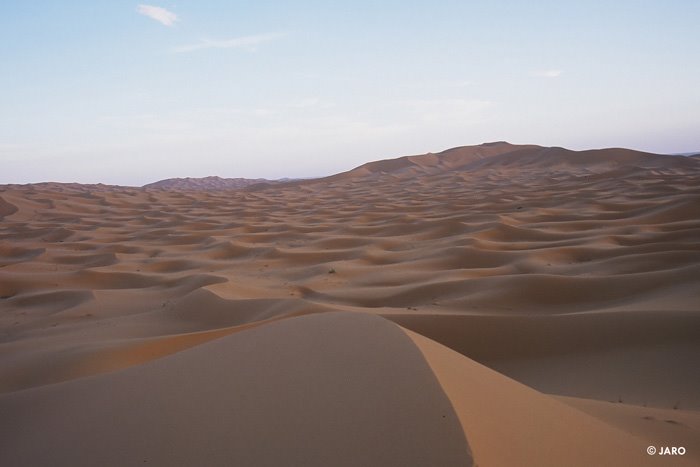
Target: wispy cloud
244, 42
163, 16
547, 73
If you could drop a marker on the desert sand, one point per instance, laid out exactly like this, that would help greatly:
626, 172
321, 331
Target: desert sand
492, 305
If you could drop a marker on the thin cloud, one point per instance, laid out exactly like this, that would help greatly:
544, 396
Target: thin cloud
244, 42
547, 73
163, 16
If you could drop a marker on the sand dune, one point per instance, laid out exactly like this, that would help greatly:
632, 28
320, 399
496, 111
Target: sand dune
207, 183
333, 389
270, 315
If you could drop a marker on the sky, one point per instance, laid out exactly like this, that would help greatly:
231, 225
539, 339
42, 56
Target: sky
128, 93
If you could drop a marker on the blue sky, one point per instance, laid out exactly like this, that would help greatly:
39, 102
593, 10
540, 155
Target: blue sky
128, 93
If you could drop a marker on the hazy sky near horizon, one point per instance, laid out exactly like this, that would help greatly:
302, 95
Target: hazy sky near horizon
127, 93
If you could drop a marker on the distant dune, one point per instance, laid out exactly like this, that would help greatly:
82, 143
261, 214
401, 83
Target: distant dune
491, 305
206, 183
504, 155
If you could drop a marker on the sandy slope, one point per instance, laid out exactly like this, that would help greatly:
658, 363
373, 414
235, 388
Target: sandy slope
510, 424
330, 389
575, 273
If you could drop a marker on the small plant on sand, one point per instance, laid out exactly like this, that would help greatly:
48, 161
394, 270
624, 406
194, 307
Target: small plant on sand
331, 271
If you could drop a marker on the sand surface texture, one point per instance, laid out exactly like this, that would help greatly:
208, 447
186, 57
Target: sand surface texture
491, 305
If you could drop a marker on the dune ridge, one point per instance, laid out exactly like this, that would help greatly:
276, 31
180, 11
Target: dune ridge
206, 183
573, 277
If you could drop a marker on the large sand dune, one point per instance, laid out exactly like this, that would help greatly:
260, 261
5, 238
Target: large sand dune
259, 326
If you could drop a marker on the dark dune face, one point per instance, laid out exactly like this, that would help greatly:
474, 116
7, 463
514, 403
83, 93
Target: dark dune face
6, 208
339, 388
